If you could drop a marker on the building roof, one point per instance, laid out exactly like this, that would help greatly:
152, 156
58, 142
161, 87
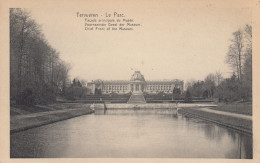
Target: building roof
115, 81
176, 81
137, 76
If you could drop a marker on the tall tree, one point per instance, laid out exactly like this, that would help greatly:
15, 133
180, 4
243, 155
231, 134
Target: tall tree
36, 71
209, 85
247, 68
234, 55
218, 78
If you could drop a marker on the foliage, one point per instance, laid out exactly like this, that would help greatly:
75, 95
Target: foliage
37, 74
188, 97
76, 90
239, 86
240, 50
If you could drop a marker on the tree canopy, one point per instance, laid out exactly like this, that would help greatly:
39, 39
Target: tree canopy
37, 74
239, 85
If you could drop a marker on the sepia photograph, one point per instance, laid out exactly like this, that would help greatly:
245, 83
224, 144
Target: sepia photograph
130, 79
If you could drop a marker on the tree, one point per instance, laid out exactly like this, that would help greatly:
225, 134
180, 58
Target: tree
218, 78
205, 94
78, 90
247, 69
176, 93
228, 90
239, 57
209, 85
197, 89
189, 83
22, 28
36, 70
187, 97
234, 55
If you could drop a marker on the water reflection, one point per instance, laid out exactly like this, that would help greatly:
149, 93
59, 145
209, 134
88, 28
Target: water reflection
132, 133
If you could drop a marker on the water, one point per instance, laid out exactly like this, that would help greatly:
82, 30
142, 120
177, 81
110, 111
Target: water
132, 133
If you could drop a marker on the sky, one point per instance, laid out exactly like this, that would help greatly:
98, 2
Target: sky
176, 40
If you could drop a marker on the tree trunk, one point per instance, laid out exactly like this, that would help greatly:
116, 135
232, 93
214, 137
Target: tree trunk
19, 66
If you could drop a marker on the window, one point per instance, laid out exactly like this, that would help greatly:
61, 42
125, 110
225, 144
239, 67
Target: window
137, 87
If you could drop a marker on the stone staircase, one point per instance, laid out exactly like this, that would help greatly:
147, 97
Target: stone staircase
136, 99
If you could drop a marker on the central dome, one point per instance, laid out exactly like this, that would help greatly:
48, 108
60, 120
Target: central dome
137, 76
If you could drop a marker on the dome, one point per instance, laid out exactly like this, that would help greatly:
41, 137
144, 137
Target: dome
137, 76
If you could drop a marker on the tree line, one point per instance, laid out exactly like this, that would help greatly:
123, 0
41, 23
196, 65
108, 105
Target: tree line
77, 90
239, 85
37, 74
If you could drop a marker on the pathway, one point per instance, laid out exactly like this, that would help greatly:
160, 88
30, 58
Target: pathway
243, 116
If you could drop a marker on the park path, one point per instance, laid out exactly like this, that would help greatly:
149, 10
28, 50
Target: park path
32, 115
27, 121
243, 116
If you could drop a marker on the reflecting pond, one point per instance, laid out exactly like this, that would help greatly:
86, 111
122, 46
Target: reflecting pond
132, 134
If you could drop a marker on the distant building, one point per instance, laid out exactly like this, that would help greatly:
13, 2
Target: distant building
137, 84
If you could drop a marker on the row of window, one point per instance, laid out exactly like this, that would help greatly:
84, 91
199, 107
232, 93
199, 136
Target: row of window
156, 91
149, 87
115, 87
125, 91
110, 91
159, 87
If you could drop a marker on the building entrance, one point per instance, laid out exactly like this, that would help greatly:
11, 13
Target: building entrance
137, 87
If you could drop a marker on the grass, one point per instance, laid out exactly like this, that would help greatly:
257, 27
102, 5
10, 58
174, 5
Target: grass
26, 117
232, 122
22, 109
240, 108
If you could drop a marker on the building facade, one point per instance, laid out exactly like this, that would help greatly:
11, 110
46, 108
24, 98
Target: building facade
137, 84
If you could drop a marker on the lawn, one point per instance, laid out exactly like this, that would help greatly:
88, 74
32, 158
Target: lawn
232, 122
240, 108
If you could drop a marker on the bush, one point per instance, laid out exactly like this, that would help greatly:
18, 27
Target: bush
187, 98
26, 97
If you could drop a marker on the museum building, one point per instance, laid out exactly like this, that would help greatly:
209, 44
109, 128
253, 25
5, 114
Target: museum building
137, 84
